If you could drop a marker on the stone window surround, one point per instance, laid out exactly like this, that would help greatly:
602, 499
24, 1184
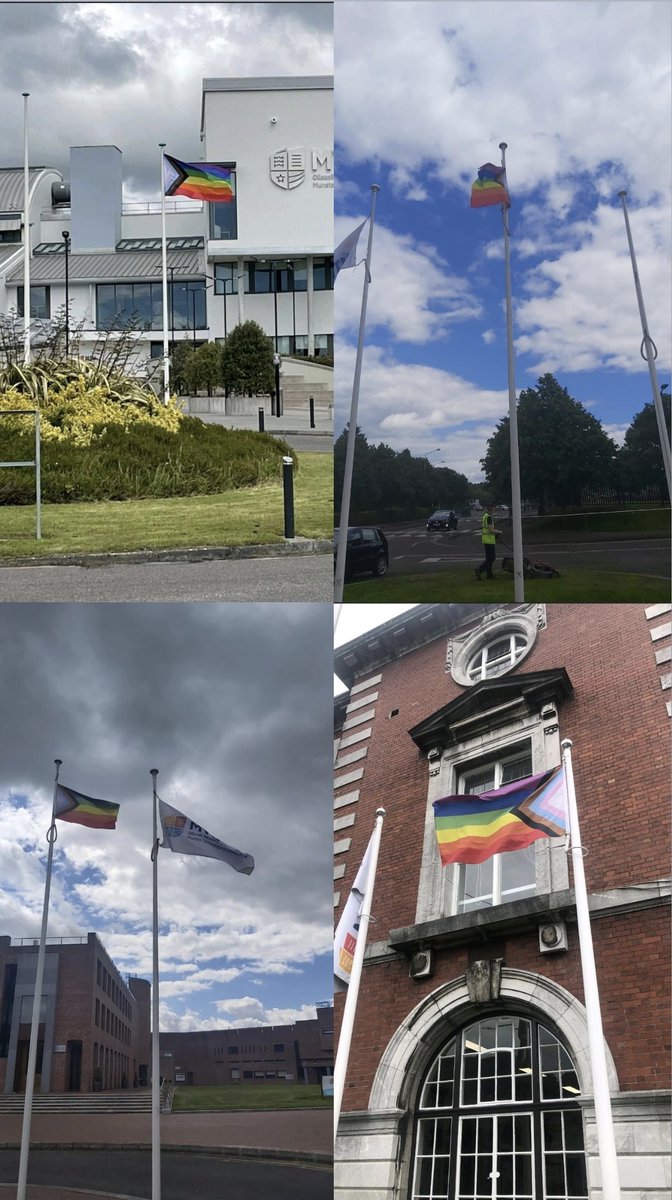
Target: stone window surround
526, 621
437, 891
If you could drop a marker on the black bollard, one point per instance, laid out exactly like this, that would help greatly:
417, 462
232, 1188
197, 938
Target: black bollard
288, 491
261, 419
311, 403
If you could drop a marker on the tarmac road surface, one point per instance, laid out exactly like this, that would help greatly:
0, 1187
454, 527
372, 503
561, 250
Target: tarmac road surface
305, 577
203, 1175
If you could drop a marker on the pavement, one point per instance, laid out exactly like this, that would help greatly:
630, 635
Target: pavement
303, 1137
292, 421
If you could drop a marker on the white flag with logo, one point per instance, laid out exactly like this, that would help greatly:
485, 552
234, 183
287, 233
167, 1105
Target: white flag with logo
345, 255
347, 930
186, 837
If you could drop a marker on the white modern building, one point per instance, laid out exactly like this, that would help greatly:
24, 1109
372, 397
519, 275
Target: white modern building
267, 256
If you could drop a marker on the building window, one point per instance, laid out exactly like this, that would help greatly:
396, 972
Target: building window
234, 1074
232, 1049
323, 274
259, 277
503, 877
142, 303
97, 1012
40, 302
499, 1103
278, 1047
226, 278
496, 657
248, 1074
324, 345
224, 217
10, 235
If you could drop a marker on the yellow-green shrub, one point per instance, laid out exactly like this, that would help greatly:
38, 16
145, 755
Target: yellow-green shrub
80, 414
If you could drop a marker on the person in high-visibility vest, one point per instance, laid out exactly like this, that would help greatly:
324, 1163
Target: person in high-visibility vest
489, 540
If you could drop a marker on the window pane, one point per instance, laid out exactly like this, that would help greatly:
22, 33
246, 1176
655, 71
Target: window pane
517, 768
300, 275
105, 305
323, 274
518, 873
226, 281
224, 219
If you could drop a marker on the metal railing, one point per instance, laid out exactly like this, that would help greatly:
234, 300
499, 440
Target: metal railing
51, 941
35, 463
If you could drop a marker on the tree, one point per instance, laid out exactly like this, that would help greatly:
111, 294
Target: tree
360, 494
204, 369
640, 457
247, 361
180, 360
562, 447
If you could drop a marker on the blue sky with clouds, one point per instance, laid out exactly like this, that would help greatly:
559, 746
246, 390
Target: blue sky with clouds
203, 692
580, 91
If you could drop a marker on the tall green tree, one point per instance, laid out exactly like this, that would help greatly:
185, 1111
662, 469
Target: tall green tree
640, 457
563, 448
180, 359
204, 371
247, 361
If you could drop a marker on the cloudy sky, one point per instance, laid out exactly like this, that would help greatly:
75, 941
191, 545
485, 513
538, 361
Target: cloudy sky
130, 74
425, 92
232, 703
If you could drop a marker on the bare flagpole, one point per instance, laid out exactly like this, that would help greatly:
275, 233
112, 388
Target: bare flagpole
606, 1143
347, 1024
352, 426
164, 285
26, 234
37, 1004
650, 353
516, 512
156, 1058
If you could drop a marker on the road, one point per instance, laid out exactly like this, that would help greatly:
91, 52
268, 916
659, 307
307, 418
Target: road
208, 1176
302, 577
415, 551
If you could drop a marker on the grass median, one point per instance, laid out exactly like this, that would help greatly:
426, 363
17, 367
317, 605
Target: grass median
460, 585
251, 516
250, 1097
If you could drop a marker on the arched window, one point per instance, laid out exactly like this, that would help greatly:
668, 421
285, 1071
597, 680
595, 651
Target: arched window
498, 1117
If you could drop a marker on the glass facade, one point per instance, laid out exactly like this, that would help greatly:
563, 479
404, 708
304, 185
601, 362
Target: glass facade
119, 303
40, 301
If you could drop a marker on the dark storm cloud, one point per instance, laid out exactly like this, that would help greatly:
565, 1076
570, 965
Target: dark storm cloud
130, 74
234, 699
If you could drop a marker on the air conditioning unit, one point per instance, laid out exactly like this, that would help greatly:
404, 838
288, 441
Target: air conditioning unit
422, 965
552, 937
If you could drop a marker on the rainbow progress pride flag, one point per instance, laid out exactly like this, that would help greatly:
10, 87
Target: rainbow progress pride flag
199, 181
490, 187
72, 806
470, 829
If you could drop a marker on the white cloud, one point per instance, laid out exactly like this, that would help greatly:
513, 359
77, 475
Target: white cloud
247, 1012
489, 336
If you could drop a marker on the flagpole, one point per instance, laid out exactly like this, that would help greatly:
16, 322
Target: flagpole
156, 1059
26, 234
52, 834
605, 1130
516, 512
164, 285
347, 1024
651, 353
352, 427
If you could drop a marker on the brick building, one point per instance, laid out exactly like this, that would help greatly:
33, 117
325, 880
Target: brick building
302, 1052
94, 1026
469, 1074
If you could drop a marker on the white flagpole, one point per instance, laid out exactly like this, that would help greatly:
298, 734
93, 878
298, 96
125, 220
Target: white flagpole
156, 1058
26, 234
347, 1024
649, 347
52, 834
352, 427
606, 1143
516, 512
164, 282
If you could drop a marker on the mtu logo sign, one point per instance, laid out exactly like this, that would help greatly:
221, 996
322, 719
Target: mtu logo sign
288, 168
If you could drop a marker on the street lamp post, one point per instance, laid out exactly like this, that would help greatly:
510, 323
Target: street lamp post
276, 364
66, 239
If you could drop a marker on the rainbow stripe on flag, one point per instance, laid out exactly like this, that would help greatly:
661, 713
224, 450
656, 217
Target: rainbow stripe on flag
72, 806
470, 829
199, 181
490, 187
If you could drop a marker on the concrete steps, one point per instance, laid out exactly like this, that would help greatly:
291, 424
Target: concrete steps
124, 1101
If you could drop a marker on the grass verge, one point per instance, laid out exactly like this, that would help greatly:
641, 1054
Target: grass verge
245, 517
250, 1097
448, 587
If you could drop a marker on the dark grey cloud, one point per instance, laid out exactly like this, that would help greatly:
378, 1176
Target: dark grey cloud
130, 74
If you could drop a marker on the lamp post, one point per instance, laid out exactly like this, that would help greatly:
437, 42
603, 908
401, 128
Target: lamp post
276, 364
66, 239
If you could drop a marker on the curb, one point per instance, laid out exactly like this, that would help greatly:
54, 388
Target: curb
291, 547
316, 1158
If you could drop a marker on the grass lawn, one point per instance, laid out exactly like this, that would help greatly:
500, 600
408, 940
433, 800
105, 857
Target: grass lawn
239, 1097
448, 587
246, 517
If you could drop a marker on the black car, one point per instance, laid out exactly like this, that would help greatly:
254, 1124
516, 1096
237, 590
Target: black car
367, 550
442, 519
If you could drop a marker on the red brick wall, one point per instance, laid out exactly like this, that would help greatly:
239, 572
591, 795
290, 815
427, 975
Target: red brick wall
618, 723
